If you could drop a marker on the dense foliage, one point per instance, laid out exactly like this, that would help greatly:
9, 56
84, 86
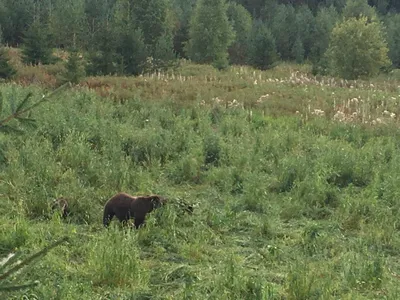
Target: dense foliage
120, 35
357, 49
210, 33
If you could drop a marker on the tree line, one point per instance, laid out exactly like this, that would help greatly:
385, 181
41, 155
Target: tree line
133, 36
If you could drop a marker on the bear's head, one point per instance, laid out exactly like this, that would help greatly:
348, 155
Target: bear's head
157, 200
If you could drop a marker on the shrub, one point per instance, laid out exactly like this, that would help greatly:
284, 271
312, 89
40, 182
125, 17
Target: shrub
357, 49
212, 150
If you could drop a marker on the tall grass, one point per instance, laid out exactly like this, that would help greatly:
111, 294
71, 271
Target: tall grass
288, 205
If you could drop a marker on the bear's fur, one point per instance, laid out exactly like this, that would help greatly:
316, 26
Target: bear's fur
125, 207
61, 204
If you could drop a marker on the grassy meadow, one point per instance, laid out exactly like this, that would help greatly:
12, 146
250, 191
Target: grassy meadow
295, 181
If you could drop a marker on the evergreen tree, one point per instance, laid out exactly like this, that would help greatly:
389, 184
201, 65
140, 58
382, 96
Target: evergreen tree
183, 10
298, 51
394, 5
380, 5
15, 16
306, 27
268, 12
11, 265
36, 48
70, 15
210, 33
98, 14
103, 58
325, 21
392, 22
262, 49
358, 9
284, 30
6, 70
74, 71
132, 51
242, 22
151, 17
122, 14
181, 37
254, 7
164, 56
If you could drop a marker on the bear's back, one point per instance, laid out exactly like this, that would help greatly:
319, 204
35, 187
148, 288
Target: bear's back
142, 205
120, 203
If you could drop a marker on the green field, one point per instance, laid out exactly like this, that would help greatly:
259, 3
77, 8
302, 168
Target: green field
295, 181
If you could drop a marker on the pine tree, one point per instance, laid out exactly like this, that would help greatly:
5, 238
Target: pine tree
358, 9
103, 58
284, 30
122, 15
183, 10
262, 49
97, 17
36, 48
242, 22
15, 15
164, 55
74, 71
325, 21
132, 51
151, 17
268, 12
210, 33
392, 22
12, 264
66, 14
306, 27
381, 5
6, 70
298, 51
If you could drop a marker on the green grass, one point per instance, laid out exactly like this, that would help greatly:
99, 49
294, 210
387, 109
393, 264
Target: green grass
290, 205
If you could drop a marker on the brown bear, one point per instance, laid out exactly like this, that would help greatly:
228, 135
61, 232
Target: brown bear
61, 204
125, 207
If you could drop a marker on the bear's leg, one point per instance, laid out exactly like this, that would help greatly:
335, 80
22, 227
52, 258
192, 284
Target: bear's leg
107, 218
139, 222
